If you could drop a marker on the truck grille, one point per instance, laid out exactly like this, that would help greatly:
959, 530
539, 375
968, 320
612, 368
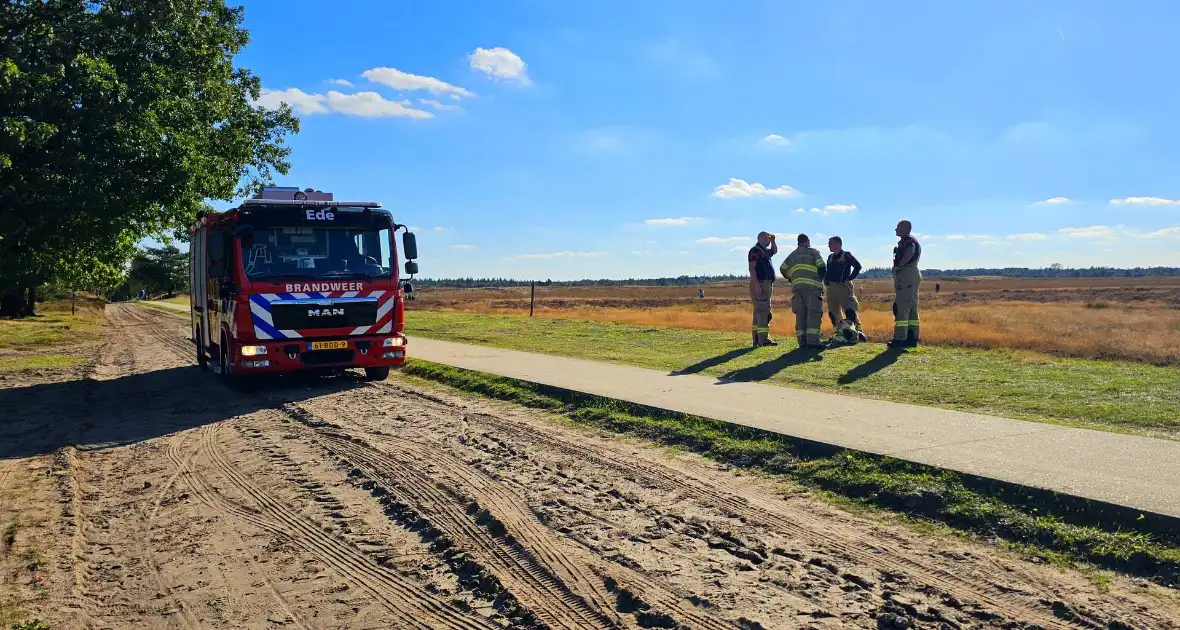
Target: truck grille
326, 314
327, 357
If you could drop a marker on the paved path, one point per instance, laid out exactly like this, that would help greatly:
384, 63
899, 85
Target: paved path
1125, 470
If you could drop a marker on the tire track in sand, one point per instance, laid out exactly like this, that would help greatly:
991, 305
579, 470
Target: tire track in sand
417, 608
800, 524
531, 542
541, 589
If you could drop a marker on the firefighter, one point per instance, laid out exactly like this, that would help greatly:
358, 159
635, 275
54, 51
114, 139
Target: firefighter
762, 287
805, 268
906, 281
842, 269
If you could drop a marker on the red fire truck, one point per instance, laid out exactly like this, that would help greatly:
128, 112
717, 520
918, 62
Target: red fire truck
293, 280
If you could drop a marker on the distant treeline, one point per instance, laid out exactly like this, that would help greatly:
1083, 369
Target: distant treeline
878, 272
1046, 272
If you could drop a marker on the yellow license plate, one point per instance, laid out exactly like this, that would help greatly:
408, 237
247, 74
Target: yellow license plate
329, 345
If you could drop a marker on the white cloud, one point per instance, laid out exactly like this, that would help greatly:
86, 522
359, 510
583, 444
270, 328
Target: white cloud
717, 240
300, 101
462, 246
407, 82
365, 104
800, 210
1144, 201
341, 82
956, 237
1173, 231
837, 208
1094, 231
737, 188
560, 255
738, 248
978, 237
439, 228
1054, 201
500, 63
1030, 236
989, 243
776, 140
679, 221
438, 105
372, 105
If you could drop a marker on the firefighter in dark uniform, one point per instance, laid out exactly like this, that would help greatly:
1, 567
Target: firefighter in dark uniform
842, 269
906, 281
762, 287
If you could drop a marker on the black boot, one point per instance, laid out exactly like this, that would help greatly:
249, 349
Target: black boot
911, 339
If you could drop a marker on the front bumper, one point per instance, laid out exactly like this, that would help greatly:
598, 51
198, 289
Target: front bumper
296, 355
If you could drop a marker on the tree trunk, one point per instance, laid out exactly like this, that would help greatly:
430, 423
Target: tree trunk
12, 303
31, 304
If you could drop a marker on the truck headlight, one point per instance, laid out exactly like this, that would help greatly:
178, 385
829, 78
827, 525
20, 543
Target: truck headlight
394, 342
253, 351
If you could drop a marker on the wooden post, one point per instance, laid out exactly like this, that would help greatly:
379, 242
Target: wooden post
532, 296
73, 301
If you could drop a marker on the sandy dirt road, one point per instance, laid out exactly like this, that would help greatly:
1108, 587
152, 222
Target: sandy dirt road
150, 496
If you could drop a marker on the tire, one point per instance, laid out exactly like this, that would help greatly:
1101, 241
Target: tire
376, 373
231, 380
202, 358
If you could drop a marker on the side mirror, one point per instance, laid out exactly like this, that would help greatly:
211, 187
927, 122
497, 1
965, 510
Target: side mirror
409, 246
411, 267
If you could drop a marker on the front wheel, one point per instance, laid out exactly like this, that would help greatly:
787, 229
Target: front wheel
231, 379
202, 358
376, 373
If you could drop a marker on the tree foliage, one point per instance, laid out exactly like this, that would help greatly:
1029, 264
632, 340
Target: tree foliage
118, 120
159, 270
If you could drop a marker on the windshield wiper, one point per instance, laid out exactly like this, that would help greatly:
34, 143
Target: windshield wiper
349, 274
288, 276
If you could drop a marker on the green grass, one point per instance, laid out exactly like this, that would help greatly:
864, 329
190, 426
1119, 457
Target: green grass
1054, 528
53, 326
8, 537
1115, 396
39, 361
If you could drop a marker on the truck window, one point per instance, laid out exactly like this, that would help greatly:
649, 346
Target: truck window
319, 252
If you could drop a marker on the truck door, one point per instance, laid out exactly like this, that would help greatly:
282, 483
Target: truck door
200, 291
218, 260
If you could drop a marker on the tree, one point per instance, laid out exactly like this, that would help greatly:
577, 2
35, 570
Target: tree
118, 120
160, 270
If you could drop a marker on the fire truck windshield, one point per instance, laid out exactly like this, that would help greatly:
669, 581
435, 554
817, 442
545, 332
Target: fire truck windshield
317, 252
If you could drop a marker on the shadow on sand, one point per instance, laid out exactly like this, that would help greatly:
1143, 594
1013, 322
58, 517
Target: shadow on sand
96, 414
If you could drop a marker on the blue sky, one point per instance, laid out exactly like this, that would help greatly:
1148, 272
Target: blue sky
541, 139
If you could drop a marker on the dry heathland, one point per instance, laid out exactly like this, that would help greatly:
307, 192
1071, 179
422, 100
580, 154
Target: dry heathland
1103, 318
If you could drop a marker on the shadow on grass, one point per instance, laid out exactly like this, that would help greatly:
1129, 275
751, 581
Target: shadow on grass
701, 366
768, 369
886, 358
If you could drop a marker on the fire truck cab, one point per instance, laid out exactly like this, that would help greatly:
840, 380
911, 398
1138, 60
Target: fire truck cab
293, 280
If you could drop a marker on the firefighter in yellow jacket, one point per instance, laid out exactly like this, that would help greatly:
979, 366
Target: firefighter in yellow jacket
906, 281
804, 268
